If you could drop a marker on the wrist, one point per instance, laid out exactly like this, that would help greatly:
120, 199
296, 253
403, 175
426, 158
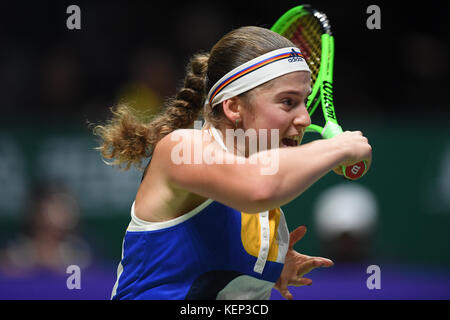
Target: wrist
337, 152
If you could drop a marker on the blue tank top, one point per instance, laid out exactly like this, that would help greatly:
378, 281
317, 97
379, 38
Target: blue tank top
212, 252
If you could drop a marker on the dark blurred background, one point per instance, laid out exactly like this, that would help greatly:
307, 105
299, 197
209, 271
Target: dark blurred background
61, 205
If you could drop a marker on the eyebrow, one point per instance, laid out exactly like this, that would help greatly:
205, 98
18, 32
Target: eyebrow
295, 92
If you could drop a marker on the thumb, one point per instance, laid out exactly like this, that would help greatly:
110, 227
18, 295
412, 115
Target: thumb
296, 235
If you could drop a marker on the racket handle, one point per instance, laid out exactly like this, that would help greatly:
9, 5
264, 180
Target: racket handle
331, 129
355, 171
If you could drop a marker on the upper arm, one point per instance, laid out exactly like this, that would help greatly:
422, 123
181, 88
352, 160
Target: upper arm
186, 159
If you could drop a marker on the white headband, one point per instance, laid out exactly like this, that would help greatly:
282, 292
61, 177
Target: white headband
256, 72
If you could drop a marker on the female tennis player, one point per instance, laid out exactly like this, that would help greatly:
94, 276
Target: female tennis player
206, 222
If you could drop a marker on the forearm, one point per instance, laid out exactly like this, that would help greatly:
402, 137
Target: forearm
298, 168
264, 181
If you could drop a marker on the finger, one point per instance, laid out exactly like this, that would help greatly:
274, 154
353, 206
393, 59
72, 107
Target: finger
301, 282
282, 287
296, 235
325, 263
338, 170
313, 263
286, 294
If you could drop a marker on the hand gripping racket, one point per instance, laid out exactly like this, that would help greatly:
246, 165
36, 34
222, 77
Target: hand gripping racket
310, 31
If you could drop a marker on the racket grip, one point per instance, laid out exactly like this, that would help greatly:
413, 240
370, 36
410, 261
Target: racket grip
355, 171
331, 129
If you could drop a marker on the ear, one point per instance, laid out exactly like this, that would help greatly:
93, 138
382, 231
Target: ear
232, 109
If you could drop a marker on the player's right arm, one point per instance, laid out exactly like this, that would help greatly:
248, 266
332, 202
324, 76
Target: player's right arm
242, 186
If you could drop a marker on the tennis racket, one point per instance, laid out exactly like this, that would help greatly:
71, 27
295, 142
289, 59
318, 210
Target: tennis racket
310, 31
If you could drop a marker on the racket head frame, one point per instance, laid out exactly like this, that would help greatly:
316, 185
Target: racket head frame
322, 86
306, 21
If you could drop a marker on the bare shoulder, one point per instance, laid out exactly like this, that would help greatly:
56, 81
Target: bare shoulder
159, 198
166, 144
178, 147
162, 153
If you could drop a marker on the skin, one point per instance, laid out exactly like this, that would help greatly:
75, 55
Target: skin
170, 190
297, 265
279, 104
283, 102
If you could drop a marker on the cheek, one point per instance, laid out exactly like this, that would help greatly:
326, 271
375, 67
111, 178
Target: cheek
266, 116
274, 121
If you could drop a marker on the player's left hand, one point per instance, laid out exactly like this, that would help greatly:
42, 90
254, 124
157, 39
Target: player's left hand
296, 265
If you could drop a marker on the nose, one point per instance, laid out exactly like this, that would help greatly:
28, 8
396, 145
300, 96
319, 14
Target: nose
302, 118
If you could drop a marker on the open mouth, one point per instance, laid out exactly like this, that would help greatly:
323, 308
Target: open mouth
291, 141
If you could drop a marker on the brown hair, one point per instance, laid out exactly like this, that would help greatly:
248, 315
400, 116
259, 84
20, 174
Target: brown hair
127, 140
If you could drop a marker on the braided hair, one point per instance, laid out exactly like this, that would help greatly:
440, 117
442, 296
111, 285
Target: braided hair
127, 140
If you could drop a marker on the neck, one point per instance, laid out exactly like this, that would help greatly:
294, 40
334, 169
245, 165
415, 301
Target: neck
235, 141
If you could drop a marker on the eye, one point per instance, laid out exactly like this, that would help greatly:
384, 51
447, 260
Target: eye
288, 102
